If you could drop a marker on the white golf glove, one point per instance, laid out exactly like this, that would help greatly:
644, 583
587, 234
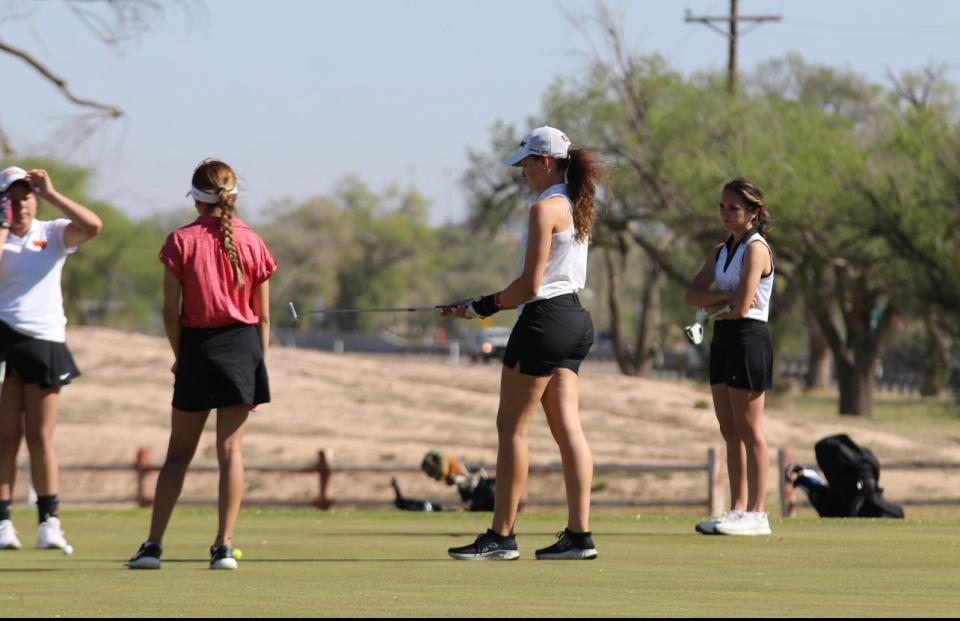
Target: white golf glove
467, 306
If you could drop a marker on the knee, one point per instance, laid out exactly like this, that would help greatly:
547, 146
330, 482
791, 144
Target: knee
729, 432
39, 439
10, 438
177, 461
229, 450
508, 429
751, 436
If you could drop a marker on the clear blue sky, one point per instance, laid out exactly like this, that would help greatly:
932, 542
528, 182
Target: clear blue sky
297, 94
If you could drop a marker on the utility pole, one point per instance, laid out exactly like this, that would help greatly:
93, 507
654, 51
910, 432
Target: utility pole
733, 19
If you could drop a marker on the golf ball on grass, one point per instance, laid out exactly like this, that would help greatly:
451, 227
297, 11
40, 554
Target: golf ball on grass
66, 550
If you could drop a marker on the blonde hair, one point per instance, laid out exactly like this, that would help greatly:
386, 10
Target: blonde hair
216, 177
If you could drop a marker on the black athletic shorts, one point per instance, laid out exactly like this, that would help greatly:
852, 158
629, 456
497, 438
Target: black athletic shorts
550, 334
220, 367
741, 355
45, 363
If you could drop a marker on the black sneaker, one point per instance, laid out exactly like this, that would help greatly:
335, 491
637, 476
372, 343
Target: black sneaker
221, 557
147, 557
570, 546
490, 546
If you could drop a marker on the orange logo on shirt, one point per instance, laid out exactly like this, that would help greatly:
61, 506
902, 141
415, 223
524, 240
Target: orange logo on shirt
39, 243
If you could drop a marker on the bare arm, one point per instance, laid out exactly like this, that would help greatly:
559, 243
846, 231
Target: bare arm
546, 217
84, 224
3, 239
699, 293
261, 306
539, 236
171, 311
756, 262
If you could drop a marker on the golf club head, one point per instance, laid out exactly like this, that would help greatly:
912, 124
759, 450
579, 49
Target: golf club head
694, 333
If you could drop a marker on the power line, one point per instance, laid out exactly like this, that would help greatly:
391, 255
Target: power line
733, 20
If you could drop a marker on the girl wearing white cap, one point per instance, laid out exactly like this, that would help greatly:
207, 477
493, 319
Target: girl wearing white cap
741, 353
549, 341
33, 338
216, 312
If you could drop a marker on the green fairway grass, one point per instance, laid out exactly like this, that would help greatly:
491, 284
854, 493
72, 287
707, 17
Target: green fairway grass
308, 563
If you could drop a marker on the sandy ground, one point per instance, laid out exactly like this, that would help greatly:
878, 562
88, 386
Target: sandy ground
391, 410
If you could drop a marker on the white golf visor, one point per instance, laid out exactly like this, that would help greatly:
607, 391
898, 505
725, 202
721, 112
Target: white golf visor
208, 197
545, 140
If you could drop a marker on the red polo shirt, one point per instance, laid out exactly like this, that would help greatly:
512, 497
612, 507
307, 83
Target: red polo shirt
211, 297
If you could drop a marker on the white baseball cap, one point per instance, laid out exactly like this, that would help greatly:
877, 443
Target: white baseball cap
545, 140
9, 176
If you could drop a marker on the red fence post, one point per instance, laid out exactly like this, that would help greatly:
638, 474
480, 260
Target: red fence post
143, 467
323, 502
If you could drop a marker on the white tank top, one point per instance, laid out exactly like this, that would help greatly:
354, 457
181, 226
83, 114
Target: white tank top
728, 269
566, 270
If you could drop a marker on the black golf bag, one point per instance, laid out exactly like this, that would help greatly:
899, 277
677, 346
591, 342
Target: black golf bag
479, 491
853, 475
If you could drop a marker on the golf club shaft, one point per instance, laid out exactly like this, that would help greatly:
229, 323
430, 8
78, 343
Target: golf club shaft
388, 309
722, 311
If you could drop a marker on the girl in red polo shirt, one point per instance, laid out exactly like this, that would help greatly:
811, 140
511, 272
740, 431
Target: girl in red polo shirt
216, 312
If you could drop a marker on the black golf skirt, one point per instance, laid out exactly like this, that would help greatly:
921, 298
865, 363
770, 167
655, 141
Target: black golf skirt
550, 334
47, 364
220, 367
741, 355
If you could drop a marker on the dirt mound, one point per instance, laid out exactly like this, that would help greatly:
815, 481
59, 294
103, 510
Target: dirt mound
390, 410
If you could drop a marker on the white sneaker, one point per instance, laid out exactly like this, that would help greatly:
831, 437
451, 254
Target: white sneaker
50, 535
8, 536
709, 527
748, 523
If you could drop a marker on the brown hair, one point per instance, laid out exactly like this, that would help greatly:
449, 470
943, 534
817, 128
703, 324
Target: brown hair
753, 200
215, 177
583, 172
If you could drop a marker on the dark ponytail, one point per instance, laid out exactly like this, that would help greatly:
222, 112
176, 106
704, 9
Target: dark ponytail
753, 200
583, 172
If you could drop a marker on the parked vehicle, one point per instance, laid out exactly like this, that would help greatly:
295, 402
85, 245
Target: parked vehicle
488, 344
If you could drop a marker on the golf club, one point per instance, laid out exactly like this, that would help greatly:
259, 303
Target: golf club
694, 331
388, 309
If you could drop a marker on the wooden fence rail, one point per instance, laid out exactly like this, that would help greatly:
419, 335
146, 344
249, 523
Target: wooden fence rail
712, 468
789, 502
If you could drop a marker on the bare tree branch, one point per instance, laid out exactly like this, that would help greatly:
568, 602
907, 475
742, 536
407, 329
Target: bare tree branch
6, 148
60, 83
130, 19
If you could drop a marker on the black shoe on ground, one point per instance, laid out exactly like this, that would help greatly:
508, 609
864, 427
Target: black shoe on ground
221, 557
147, 557
570, 546
490, 546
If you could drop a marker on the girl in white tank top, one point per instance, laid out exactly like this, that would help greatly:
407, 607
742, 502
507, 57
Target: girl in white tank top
741, 353
566, 270
549, 341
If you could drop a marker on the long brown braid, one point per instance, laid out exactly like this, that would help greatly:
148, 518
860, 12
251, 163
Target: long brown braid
215, 177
